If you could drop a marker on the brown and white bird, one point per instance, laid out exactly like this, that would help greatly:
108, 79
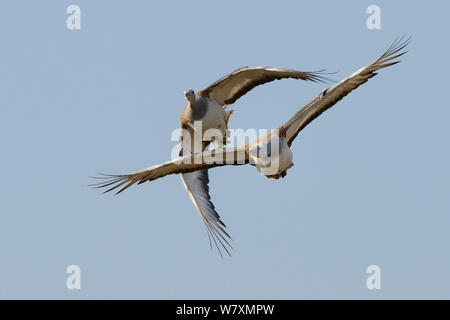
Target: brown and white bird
207, 107
271, 154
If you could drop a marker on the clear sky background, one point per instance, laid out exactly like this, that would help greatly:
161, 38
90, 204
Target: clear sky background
370, 185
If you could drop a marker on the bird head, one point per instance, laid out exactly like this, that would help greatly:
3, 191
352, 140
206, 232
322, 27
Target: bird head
189, 95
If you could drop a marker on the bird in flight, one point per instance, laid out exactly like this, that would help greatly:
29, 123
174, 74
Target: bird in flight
271, 154
208, 108
208, 105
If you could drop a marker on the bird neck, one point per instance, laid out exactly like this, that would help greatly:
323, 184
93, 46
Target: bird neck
192, 106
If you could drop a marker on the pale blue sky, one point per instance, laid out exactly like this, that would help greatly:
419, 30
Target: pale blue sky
371, 180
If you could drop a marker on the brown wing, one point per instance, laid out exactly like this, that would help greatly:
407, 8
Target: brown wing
188, 163
333, 94
196, 184
228, 89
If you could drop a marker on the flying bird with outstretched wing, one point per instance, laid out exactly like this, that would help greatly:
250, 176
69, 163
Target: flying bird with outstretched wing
271, 154
208, 107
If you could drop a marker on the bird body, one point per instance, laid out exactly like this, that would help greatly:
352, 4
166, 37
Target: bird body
271, 155
208, 113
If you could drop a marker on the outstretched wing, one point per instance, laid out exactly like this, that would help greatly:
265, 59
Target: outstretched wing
228, 89
196, 184
329, 97
185, 164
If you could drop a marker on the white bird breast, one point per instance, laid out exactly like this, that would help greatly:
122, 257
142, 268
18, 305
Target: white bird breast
215, 117
272, 156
